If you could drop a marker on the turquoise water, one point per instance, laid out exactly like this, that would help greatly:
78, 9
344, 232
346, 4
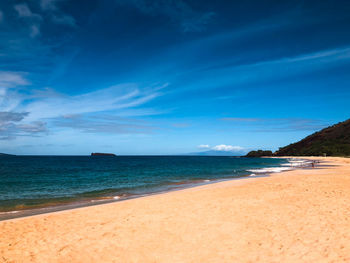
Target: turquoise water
28, 182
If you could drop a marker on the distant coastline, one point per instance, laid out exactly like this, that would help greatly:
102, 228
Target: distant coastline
6, 154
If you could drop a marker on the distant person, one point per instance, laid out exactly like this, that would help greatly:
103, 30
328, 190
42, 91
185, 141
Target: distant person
313, 164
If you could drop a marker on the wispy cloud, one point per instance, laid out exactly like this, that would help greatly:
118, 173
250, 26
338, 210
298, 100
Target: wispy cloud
48, 5
180, 125
64, 19
56, 14
277, 124
34, 20
322, 57
10, 79
240, 119
11, 126
117, 97
9, 82
34, 30
108, 124
101, 111
12, 116
178, 11
24, 11
283, 67
241, 75
1, 16
203, 146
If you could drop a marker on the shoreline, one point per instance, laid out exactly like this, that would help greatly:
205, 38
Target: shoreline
294, 216
101, 200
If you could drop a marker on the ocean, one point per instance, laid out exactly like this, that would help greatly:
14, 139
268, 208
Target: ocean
39, 183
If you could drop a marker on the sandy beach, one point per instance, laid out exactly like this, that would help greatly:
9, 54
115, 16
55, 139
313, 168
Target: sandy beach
295, 216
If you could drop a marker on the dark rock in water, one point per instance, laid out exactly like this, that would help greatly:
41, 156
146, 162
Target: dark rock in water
103, 154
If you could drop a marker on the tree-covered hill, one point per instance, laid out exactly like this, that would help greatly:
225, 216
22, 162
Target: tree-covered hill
331, 141
259, 153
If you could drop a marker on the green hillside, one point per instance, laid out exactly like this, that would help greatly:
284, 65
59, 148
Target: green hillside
332, 141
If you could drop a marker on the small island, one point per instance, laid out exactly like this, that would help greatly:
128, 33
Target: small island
103, 154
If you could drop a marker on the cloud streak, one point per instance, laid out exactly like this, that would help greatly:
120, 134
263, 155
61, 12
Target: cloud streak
11, 126
108, 124
277, 124
1, 16
56, 14
24, 11
118, 97
99, 111
178, 11
275, 69
10, 79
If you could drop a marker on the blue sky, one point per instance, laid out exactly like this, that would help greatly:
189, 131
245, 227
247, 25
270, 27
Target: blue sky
169, 77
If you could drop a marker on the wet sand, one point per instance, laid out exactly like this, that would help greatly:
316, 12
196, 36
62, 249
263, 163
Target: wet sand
294, 216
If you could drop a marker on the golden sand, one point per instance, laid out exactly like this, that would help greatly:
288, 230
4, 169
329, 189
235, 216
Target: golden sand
295, 216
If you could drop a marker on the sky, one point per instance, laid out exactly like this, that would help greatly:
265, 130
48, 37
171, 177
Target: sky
170, 76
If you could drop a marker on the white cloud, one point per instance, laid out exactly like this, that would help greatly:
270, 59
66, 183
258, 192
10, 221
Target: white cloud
221, 148
11, 116
28, 113
9, 82
34, 31
64, 20
56, 14
9, 79
11, 125
109, 124
120, 100
117, 97
24, 11
48, 4
227, 148
179, 11
203, 146
79, 112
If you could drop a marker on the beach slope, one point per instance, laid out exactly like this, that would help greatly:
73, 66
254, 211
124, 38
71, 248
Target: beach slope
295, 216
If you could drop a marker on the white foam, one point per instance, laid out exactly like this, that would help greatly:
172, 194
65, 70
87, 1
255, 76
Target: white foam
9, 212
297, 163
269, 170
116, 197
292, 163
206, 180
100, 200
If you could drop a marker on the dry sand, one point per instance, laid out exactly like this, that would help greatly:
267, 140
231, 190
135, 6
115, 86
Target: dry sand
296, 216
